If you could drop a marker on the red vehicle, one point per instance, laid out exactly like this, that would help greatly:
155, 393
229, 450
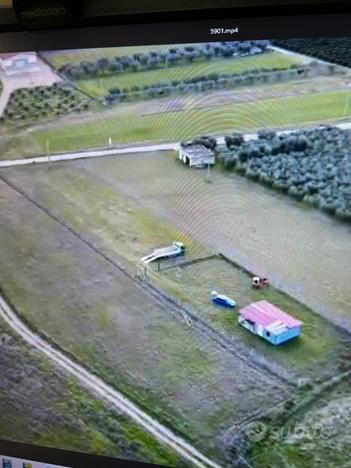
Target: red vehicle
258, 283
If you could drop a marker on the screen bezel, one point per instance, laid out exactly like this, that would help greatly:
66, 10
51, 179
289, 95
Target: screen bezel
166, 28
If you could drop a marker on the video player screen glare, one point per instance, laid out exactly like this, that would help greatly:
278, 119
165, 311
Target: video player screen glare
175, 255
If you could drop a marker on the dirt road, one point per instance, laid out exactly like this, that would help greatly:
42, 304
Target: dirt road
103, 391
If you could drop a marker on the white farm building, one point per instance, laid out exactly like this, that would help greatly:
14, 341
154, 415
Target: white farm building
19, 62
196, 155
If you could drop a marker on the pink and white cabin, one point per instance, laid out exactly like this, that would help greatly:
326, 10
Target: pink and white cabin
268, 321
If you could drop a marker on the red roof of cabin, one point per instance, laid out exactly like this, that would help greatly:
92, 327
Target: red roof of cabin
264, 313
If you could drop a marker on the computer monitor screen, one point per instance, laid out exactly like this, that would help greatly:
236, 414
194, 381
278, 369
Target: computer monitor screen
175, 255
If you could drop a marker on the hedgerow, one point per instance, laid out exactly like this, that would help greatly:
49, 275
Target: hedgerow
213, 81
175, 55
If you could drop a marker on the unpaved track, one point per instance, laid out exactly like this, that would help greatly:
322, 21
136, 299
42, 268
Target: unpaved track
104, 391
90, 154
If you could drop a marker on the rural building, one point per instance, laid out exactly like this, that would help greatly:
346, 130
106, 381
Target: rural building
269, 322
21, 62
196, 155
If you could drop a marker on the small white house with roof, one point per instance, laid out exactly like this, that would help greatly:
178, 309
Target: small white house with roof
196, 155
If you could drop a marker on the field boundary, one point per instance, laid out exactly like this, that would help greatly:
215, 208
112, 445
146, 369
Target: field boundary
190, 262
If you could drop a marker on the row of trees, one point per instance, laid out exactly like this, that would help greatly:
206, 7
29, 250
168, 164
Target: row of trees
175, 55
312, 165
335, 49
213, 81
43, 101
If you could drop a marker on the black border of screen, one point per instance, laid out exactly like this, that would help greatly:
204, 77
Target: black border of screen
272, 22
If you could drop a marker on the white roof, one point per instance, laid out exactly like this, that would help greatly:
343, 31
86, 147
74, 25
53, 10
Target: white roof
197, 151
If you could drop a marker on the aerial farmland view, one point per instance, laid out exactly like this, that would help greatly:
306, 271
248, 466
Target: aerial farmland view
175, 255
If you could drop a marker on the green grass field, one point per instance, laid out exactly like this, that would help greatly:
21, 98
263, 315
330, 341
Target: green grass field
314, 353
277, 113
99, 87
